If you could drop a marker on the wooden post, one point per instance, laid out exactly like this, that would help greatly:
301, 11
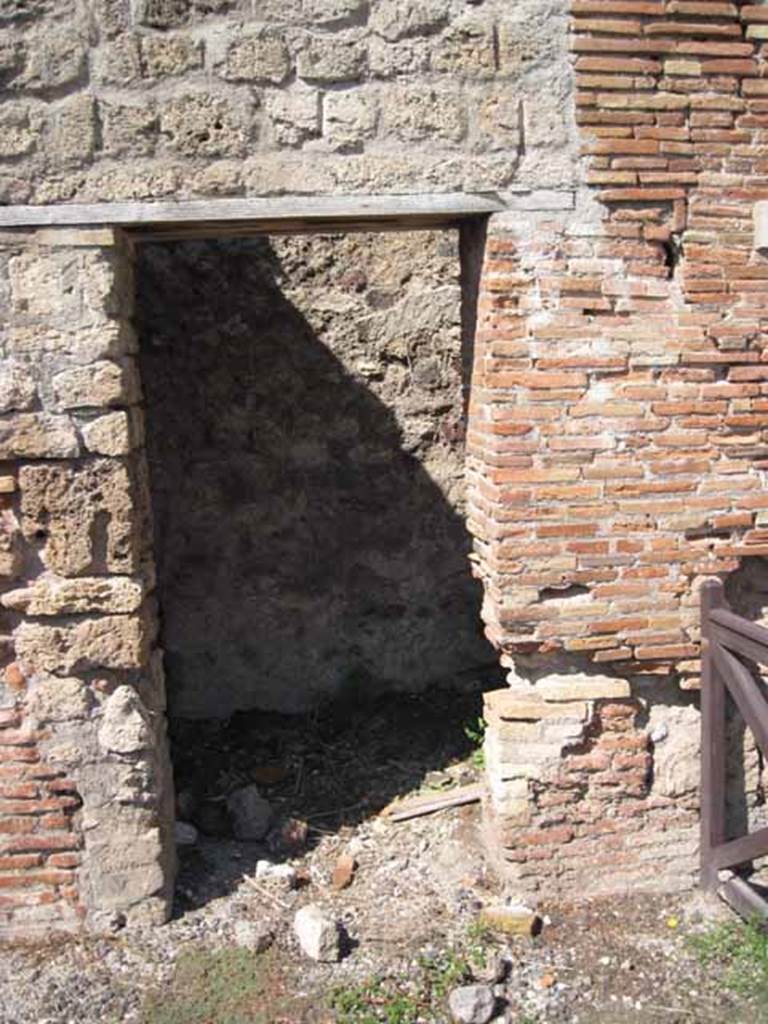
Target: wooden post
713, 742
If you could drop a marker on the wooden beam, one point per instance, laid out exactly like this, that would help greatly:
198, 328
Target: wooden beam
742, 898
713, 741
741, 851
300, 212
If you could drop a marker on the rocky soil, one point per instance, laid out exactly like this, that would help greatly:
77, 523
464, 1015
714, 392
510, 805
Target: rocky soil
406, 897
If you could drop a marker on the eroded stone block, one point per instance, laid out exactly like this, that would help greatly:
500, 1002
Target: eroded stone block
109, 435
37, 436
331, 59
100, 384
52, 596
257, 57
17, 386
203, 125
85, 519
113, 641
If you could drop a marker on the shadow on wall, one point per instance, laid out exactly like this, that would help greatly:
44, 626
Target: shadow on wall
307, 477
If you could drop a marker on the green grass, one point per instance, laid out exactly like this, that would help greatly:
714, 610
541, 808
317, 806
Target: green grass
474, 730
421, 997
738, 952
228, 986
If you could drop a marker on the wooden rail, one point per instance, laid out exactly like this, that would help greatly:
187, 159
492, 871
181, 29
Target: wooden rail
728, 639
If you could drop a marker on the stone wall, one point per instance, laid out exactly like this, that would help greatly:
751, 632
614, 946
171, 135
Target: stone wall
617, 440
86, 805
305, 431
123, 99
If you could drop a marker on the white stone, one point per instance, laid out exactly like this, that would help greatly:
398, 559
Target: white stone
125, 728
472, 1004
252, 935
318, 934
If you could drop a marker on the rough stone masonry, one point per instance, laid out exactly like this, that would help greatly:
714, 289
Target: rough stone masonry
615, 450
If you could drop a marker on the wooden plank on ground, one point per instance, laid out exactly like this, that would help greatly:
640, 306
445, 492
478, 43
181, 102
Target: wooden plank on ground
741, 897
402, 810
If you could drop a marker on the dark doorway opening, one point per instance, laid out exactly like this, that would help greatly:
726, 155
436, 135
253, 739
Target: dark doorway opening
305, 400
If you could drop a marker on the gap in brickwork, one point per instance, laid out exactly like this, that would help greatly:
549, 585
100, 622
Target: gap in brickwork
321, 629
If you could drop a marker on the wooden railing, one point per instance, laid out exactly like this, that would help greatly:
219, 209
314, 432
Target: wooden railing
729, 640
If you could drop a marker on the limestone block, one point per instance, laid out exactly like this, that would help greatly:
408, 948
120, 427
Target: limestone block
70, 291
164, 56
582, 687
199, 124
113, 641
369, 172
20, 127
59, 700
112, 17
676, 755
85, 518
510, 704
109, 435
526, 38
162, 13
407, 57
349, 118
256, 57
71, 131
498, 121
101, 384
56, 596
337, 58
414, 113
394, 19
118, 63
55, 58
125, 727
294, 115
37, 436
466, 48
129, 127
127, 865
17, 386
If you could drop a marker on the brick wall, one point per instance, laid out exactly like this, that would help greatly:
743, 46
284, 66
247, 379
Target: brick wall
619, 411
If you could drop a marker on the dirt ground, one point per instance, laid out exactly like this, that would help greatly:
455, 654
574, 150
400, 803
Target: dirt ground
410, 915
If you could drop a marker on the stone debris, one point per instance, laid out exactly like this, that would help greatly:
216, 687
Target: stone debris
318, 934
184, 834
344, 871
266, 870
252, 935
250, 812
511, 919
472, 1004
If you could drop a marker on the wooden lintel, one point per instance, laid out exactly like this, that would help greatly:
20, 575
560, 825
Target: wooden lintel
209, 217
